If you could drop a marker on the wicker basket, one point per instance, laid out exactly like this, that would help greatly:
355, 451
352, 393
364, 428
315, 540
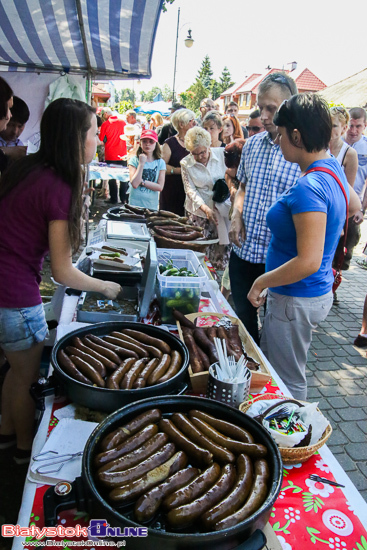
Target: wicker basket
196, 246
291, 455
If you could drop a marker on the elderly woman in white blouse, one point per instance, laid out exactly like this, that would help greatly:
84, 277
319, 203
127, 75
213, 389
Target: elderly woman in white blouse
200, 170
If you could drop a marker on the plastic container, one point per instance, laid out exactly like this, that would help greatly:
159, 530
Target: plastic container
182, 293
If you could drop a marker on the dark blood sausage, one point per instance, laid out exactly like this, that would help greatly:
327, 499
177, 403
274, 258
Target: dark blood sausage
150, 350
167, 214
159, 370
114, 379
195, 362
127, 446
72, 350
258, 493
121, 434
174, 367
254, 450
113, 479
138, 455
70, 369
220, 454
204, 358
135, 488
190, 236
87, 369
148, 340
184, 322
200, 485
129, 378
148, 504
142, 378
188, 513
125, 346
106, 362
101, 349
235, 340
232, 502
205, 344
199, 455
221, 332
226, 428
211, 333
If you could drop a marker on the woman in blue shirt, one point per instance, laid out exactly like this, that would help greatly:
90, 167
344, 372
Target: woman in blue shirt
306, 223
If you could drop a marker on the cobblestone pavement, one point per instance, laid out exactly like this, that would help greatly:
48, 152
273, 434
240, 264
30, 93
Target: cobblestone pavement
337, 373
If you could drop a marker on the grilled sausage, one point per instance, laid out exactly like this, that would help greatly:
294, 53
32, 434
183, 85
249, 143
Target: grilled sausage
211, 333
205, 344
150, 479
174, 367
127, 446
148, 504
138, 455
149, 340
160, 370
184, 322
114, 479
70, 369
222, 334
259, 491
113, 381
154, 352
220, 454
126, 346
235, 340
200, 485
251, 449
87, 369
195, 362
204, 359
142, 378
199, 455
192, 235
131, 375
119, 350
234, 500
97, 365
106, 362
102, 350
121, 434
226, 428
184, 515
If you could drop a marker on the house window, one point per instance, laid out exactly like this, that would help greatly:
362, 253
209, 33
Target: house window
248, 99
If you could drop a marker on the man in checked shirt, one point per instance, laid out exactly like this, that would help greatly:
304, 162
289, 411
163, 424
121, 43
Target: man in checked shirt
264, 175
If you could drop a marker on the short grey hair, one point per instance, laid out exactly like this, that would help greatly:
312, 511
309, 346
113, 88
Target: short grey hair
197, 137
181, 118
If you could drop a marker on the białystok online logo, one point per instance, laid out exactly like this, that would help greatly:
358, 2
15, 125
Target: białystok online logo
97, 528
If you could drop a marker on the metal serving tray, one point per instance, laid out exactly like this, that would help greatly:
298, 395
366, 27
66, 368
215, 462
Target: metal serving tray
129, 293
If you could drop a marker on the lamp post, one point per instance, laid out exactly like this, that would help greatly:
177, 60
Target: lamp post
188, 43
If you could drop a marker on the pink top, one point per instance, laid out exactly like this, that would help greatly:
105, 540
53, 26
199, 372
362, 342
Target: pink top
24, 217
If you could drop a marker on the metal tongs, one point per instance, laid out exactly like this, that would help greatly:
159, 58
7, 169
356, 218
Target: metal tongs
53, 460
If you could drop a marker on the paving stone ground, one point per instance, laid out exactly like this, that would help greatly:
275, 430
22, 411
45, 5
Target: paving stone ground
337, 373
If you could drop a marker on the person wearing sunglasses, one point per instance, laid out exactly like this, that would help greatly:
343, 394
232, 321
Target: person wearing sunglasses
255, 125
305, 223
264, 175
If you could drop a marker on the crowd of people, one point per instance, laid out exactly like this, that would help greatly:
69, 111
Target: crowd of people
273, 194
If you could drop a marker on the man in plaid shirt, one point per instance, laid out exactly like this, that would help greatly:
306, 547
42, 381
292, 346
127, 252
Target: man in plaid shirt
264, 175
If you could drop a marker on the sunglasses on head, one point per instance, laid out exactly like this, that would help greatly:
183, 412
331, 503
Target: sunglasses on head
280, 79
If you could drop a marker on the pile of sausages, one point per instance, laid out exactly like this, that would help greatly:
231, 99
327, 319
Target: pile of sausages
193, 468
121, 360
171, 226
200, 343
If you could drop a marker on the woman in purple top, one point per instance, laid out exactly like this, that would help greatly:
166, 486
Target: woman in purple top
40, 212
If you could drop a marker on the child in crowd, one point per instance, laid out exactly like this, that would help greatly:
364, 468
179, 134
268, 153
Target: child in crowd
147, 172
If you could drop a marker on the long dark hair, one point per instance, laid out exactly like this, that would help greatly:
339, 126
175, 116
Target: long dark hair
64, 127
5, 94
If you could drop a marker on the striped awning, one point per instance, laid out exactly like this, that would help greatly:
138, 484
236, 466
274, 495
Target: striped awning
106, 39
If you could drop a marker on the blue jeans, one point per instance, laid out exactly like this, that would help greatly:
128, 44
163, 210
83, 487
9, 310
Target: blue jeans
22, 328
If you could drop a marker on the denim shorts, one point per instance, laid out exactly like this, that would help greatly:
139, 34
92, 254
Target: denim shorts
22, 328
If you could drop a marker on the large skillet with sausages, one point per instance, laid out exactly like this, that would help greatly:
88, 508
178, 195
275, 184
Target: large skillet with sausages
160, 534
92, 394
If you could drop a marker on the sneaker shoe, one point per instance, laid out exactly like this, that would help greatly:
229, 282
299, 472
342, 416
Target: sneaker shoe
21, 456
360, 341
7, 441
335, 299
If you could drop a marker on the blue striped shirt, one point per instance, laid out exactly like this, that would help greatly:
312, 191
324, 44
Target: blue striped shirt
266, 175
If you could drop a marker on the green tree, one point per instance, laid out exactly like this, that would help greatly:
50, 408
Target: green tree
225, 80
127, 94
124, 106
215, 90
205, 72
193, 96
117, 96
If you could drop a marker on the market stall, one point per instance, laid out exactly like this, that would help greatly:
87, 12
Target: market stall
303, 511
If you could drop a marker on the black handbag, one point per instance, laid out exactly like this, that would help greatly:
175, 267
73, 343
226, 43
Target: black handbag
220, 191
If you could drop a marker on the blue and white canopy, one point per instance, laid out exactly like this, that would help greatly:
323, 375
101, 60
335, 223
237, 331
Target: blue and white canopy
106, 39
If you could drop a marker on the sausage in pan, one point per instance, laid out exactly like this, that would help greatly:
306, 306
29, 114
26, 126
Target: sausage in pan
226, 428
131, 375
174, 367
160, 370
87, 369
121, 434
149, 340
199, 455
151, 350
102, 350
259, 491
141, 380
72, 350
114, 379
70, 369
134, 489
106, 362
126, 346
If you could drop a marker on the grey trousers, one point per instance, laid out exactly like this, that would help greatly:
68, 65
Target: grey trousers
287, 335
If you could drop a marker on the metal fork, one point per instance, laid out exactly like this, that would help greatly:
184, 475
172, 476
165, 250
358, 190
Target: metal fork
315, 477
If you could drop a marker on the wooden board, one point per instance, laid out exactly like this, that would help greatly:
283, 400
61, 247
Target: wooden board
199, 380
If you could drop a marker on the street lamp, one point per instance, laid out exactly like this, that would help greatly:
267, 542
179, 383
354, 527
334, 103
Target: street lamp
188, 43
